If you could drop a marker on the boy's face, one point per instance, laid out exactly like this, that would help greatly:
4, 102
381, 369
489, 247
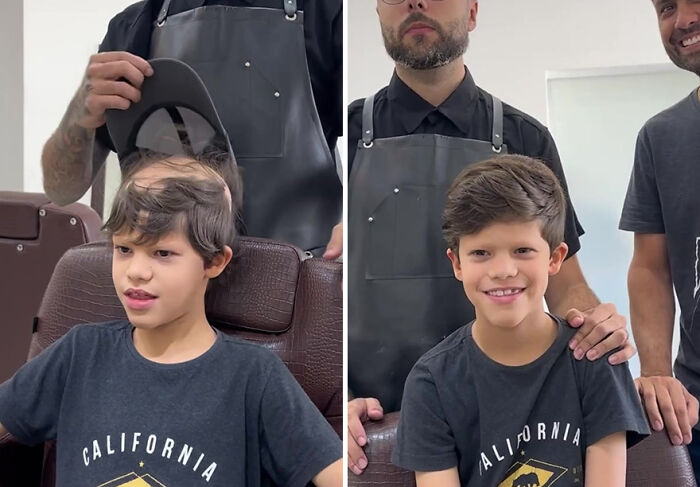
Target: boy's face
163, 282
505, 269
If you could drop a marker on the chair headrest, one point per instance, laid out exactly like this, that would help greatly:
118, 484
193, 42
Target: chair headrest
81, 288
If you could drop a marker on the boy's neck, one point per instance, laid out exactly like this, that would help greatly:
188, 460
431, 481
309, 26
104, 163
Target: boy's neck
181, 340
518, 345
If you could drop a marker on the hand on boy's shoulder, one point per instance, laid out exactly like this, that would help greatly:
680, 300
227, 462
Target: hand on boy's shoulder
669, 404
601, 329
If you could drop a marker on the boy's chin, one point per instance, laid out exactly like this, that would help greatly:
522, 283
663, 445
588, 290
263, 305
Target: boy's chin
142, 323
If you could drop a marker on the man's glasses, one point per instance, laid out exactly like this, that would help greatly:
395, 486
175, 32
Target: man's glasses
398, 2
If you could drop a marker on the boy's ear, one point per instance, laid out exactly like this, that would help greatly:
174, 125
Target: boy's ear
219, 262
456, 265
557, 257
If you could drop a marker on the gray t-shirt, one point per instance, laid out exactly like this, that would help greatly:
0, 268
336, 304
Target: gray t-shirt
233, 416
664, 197
509, 426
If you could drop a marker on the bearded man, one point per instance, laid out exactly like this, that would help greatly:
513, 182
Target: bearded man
406, 145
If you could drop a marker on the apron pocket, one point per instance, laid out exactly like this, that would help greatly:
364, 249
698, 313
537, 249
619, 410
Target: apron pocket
250, 107
405, 237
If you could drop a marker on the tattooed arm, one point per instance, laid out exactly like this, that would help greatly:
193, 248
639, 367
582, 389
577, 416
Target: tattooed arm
72, 155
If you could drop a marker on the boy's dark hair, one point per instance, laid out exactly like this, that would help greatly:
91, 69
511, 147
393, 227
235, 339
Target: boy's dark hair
508, 188
197, 206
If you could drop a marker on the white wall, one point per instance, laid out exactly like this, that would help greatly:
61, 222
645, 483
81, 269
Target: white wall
516, 41
11, 108
59, 37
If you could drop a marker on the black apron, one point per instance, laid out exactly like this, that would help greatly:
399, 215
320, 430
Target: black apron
253, 62
403, 296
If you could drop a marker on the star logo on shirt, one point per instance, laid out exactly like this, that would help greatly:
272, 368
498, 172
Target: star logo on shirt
141, 464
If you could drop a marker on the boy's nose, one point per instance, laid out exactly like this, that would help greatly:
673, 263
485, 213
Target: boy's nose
503, 268
140, 269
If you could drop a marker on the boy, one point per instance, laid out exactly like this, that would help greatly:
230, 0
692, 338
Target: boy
502, 401
163, 399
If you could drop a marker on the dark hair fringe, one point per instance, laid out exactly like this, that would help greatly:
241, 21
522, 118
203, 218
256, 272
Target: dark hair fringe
198, 207
504, 189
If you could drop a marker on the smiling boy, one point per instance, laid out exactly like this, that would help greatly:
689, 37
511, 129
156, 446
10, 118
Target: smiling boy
502, 401
163, 398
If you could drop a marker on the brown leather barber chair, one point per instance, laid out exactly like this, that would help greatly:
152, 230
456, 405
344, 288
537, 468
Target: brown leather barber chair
653, 462
276, 296
34, 234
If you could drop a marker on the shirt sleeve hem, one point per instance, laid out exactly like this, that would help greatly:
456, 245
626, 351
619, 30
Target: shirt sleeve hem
636, 431
16, 431
311, 468
424, 463
641, 226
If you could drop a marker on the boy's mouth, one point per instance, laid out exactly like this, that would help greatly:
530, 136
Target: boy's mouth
138, 298
138, 294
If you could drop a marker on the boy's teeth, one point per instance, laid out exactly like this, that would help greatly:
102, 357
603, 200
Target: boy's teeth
503, 292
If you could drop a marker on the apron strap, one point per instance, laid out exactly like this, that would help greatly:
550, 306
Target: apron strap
163, 13
290, 8
497, 130
367, 121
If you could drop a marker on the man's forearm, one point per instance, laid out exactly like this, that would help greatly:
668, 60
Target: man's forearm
568, 289
69, 154
652, 310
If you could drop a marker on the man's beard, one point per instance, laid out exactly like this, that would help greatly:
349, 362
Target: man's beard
450, 45
689, 62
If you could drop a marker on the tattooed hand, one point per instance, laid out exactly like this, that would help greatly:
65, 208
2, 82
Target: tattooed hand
112, 80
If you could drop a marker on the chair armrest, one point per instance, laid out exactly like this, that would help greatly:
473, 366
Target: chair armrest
655, 461
19, 464
381, 438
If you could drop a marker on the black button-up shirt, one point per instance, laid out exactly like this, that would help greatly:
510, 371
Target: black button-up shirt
323, 32
467, 113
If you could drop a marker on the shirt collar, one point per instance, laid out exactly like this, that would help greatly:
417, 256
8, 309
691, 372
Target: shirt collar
411, 109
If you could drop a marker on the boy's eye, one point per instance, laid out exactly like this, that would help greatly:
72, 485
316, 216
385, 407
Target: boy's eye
121, 249
524, 250
478, 253
163, 253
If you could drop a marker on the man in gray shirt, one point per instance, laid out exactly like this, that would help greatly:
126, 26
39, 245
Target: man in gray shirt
661, 207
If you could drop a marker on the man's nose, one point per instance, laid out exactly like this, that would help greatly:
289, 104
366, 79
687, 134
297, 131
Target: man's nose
687, 16
417, 4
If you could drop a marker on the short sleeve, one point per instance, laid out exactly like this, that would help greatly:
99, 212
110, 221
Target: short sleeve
548, 153
424, 441
354, 130
297, 441
610, 402
31, 400
642, 209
